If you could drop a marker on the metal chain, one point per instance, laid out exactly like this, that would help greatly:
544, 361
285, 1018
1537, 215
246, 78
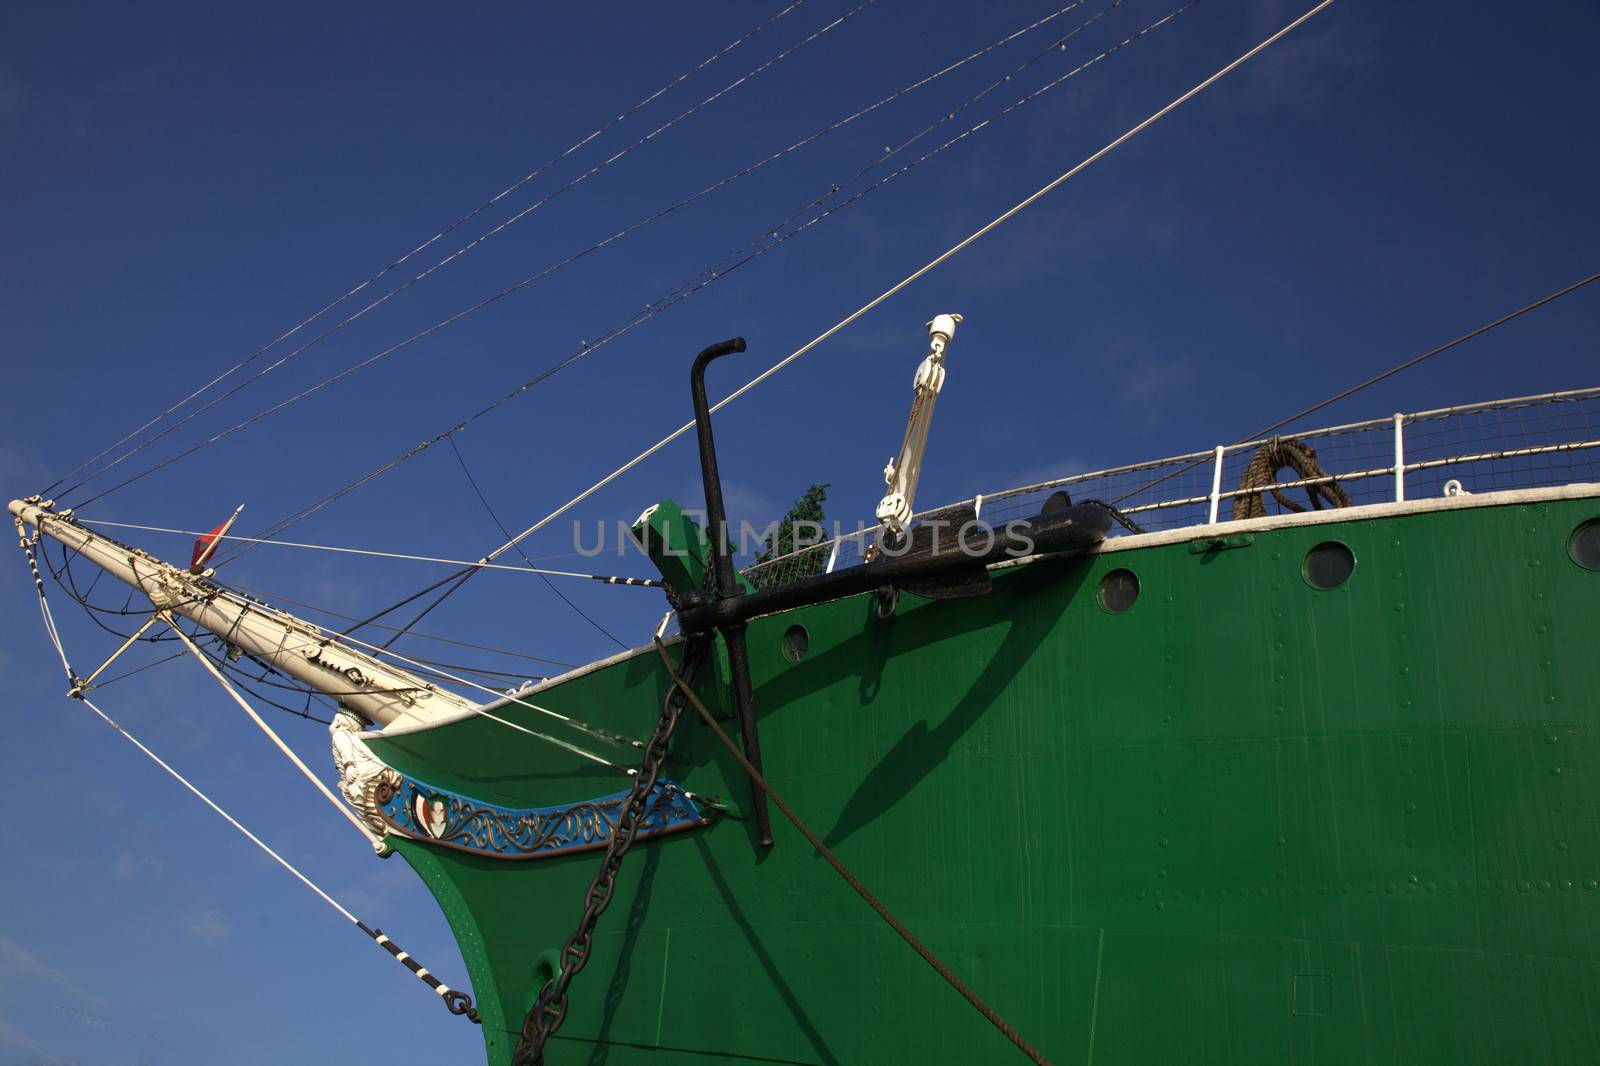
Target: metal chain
549, 1011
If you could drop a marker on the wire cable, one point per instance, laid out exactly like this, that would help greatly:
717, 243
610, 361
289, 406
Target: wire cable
656, 306
495, 518
496, 198
463, 250
705, 278
1391, 372
258, 596
373, 553
272, 735
457, 1002
926, 268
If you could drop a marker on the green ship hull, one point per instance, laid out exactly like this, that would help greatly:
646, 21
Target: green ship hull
1244, 821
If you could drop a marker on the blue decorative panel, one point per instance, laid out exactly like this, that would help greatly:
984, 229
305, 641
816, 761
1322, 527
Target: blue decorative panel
422, 812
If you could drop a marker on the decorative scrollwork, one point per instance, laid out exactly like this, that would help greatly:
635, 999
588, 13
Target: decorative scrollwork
362, 776
422, 812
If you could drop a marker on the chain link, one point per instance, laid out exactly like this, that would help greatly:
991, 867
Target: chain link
549, 1011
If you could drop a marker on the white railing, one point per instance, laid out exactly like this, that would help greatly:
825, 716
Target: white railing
1525, 442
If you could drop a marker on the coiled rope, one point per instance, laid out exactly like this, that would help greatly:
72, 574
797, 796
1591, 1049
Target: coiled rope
1277, 454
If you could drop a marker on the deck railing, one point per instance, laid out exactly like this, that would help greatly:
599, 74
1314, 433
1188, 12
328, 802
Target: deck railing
1526, 442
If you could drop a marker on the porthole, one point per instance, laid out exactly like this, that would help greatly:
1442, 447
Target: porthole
1329, 565
1118, 590
1584, 546
796, 642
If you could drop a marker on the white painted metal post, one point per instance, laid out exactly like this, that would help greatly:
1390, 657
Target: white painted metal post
833, 554
977, 506
1216, 485
1399, 458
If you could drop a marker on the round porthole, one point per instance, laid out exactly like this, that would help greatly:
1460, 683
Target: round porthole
1329, 565
1584, 547
1118, 590
796, 642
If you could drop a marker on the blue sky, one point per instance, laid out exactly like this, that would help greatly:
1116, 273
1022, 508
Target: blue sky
179, 185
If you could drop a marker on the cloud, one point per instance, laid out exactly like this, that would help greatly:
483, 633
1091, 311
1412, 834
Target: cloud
12, 1037
381, 889
750, 504
20, 966
1158, 379
1033, 474
129, 866
207, 926
1313, 64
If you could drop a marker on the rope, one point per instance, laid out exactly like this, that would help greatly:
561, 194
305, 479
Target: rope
457, 1002
433, 668
715, 274
450, 587
495, 518
288, 752
833, 860
496, 198
594, 731
246, 592
439, 265
700, 281
1262, 473
917, 274
479, 565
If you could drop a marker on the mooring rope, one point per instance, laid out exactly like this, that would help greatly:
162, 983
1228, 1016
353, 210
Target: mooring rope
1262, 473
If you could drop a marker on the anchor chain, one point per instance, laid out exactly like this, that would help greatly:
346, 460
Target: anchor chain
549, 1011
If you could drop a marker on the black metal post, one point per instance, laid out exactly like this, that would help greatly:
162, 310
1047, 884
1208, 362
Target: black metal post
733, 633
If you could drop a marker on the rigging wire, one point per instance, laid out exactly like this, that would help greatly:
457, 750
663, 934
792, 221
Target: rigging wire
496, 198
1059, 44
136, 670
499, 676
420, 615
669, 300
1352, 390
495, 518
278, 742
256, 596
530, 569
514, 541
456, 1002
69, 586
519, 700
463, 250
574, 723
700, 281
66, 580
269, 701
926, 268
498, 696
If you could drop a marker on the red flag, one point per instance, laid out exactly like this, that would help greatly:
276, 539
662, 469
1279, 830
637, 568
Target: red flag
206, 546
